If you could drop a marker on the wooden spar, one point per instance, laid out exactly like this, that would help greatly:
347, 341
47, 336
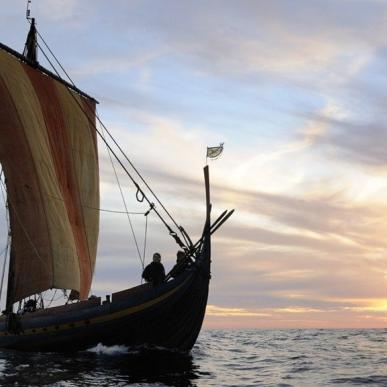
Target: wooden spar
209, 228
206, 247
216, 225
208, 199
42, 69
11, 275
206, 236
220, 217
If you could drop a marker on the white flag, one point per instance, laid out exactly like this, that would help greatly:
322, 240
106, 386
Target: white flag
215, 151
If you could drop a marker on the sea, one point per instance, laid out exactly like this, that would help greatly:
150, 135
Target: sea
294, 357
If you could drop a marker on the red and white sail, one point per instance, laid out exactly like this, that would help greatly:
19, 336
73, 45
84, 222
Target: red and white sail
48, 150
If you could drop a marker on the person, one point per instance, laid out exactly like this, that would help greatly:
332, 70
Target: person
154, 272
179, 266
29, 306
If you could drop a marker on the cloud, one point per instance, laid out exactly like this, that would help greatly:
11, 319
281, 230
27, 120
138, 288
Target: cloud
363, 144
286, 41
114, 64
56, 10
369, 305
213, 310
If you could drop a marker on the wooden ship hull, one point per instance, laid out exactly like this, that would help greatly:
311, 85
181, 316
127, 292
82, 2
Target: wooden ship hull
169, 316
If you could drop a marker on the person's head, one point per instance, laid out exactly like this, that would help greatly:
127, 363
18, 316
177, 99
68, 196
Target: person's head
156, 257
180, 255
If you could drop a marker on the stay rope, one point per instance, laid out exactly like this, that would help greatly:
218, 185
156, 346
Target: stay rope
8, 242
145, 238
18, 218
172, 233
124, 203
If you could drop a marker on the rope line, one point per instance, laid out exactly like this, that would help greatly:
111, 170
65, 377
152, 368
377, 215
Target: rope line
5, 251
45, 265
118, 147
171, 232
53, 299
84, 225
124, 202
3, 194
56, 59
101, 209
114, 211
110, 151
145, 240
8, 243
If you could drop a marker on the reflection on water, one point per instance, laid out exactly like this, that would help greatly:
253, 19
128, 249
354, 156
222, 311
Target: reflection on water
101, 367
310, 357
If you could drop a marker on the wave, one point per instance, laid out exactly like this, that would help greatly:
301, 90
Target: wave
114, 350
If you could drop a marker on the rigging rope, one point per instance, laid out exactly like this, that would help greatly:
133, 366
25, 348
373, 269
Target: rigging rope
50, 301
17, 217
114, 211
124, 202
145, 238
86, 237
117, 145
3, 194
6, 250
110, 151
139, 190
8, 242
56, 60
101, 209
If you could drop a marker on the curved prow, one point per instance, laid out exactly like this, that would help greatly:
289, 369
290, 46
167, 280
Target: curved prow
208, 198
209, 228
206, 237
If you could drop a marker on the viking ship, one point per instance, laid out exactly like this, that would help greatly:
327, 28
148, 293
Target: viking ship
49, 159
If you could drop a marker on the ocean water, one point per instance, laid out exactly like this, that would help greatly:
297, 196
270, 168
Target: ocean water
220, 358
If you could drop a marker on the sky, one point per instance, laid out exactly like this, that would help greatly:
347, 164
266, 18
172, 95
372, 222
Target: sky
295, 90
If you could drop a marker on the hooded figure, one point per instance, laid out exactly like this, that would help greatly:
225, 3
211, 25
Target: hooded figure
181, 263
154, 272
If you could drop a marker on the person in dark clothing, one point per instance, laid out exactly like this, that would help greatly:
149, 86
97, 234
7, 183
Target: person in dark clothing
30, 306
180, 264
154, 272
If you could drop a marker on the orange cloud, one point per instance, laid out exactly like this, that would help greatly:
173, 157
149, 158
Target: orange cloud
213, 310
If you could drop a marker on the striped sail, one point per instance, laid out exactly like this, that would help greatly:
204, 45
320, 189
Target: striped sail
48, 150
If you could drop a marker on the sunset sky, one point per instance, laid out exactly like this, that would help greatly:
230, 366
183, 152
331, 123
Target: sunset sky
296, 91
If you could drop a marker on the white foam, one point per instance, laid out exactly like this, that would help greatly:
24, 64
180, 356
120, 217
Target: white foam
21, 366
101, 349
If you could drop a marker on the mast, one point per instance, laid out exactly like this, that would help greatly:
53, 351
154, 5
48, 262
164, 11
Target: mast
11, 264
11, 275
31, 54
30, 48
207, 227
10, 270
